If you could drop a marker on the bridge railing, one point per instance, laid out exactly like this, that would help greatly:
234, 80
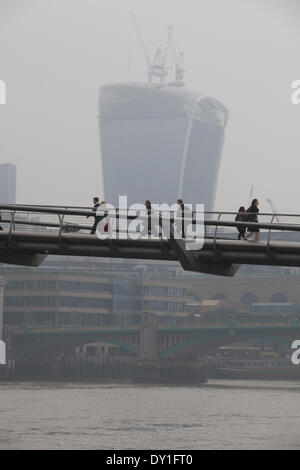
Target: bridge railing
64, 219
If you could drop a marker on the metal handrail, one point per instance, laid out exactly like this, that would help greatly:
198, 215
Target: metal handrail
62, 212
216, 223
11, 228
78, 210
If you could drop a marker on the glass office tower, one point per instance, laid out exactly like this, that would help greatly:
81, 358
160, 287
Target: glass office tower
7, 183
160, 142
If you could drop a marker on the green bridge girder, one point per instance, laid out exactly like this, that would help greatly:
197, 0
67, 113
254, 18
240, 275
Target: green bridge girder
179, 339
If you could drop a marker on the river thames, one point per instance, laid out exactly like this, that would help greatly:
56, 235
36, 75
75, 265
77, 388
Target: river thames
217, 415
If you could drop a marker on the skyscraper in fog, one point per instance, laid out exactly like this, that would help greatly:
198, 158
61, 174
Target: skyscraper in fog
159, 142
7, 183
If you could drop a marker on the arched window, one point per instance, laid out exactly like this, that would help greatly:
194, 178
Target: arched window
220, 296
278, 297
248, 298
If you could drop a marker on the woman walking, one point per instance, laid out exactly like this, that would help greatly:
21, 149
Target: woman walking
252, 217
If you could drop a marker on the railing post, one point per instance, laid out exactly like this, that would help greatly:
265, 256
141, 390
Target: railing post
11, 227
216, 230
61, 219
269, 234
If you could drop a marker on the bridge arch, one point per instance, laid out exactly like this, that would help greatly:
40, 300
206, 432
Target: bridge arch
188, 343
278, 297
59, 344
204, 344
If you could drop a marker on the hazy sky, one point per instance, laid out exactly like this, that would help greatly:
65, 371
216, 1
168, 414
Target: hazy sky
54, 55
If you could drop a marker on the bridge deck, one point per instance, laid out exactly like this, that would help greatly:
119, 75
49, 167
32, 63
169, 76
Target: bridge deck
63, 231
19, 246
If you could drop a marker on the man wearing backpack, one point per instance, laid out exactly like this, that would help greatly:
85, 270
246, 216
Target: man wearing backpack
241, 217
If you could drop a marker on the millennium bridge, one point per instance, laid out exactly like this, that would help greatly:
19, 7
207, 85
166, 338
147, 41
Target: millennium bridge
31, 233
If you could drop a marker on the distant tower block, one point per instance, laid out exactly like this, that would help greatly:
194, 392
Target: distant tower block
159, 142
7, 183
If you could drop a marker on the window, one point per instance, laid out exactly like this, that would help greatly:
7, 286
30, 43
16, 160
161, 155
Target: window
45, 285
16, 285
13, 318
40, 301
153, 305
91, 303
91, 319
69, 285
175, 307
248, 298
42, 318
69, 301
175, 291
155, 290
65, 318
91, 286
13, 301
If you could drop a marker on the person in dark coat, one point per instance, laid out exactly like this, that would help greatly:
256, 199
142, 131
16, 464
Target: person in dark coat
252, 217
148, 207
241, 217
156, 230
180, 214
97, 218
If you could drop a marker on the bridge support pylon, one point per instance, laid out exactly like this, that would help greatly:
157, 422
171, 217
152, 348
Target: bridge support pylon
150, 368
148, 364
148, 337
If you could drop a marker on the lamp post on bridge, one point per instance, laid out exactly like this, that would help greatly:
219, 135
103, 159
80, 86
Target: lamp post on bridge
2, 344
2, 284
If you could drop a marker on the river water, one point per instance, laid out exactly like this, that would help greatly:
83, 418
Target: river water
218, 415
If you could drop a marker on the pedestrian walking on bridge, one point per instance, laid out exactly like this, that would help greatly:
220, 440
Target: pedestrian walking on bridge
252, 217
241, 217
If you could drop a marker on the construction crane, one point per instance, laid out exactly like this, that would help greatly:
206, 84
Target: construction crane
157, 68
179, 73
150, 69
178, 58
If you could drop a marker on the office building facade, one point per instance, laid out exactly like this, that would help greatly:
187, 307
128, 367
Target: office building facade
160, 142
7, 183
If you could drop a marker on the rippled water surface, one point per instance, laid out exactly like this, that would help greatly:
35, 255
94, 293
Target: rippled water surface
218, 415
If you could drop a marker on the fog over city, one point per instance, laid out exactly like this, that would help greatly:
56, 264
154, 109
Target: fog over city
55, 54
